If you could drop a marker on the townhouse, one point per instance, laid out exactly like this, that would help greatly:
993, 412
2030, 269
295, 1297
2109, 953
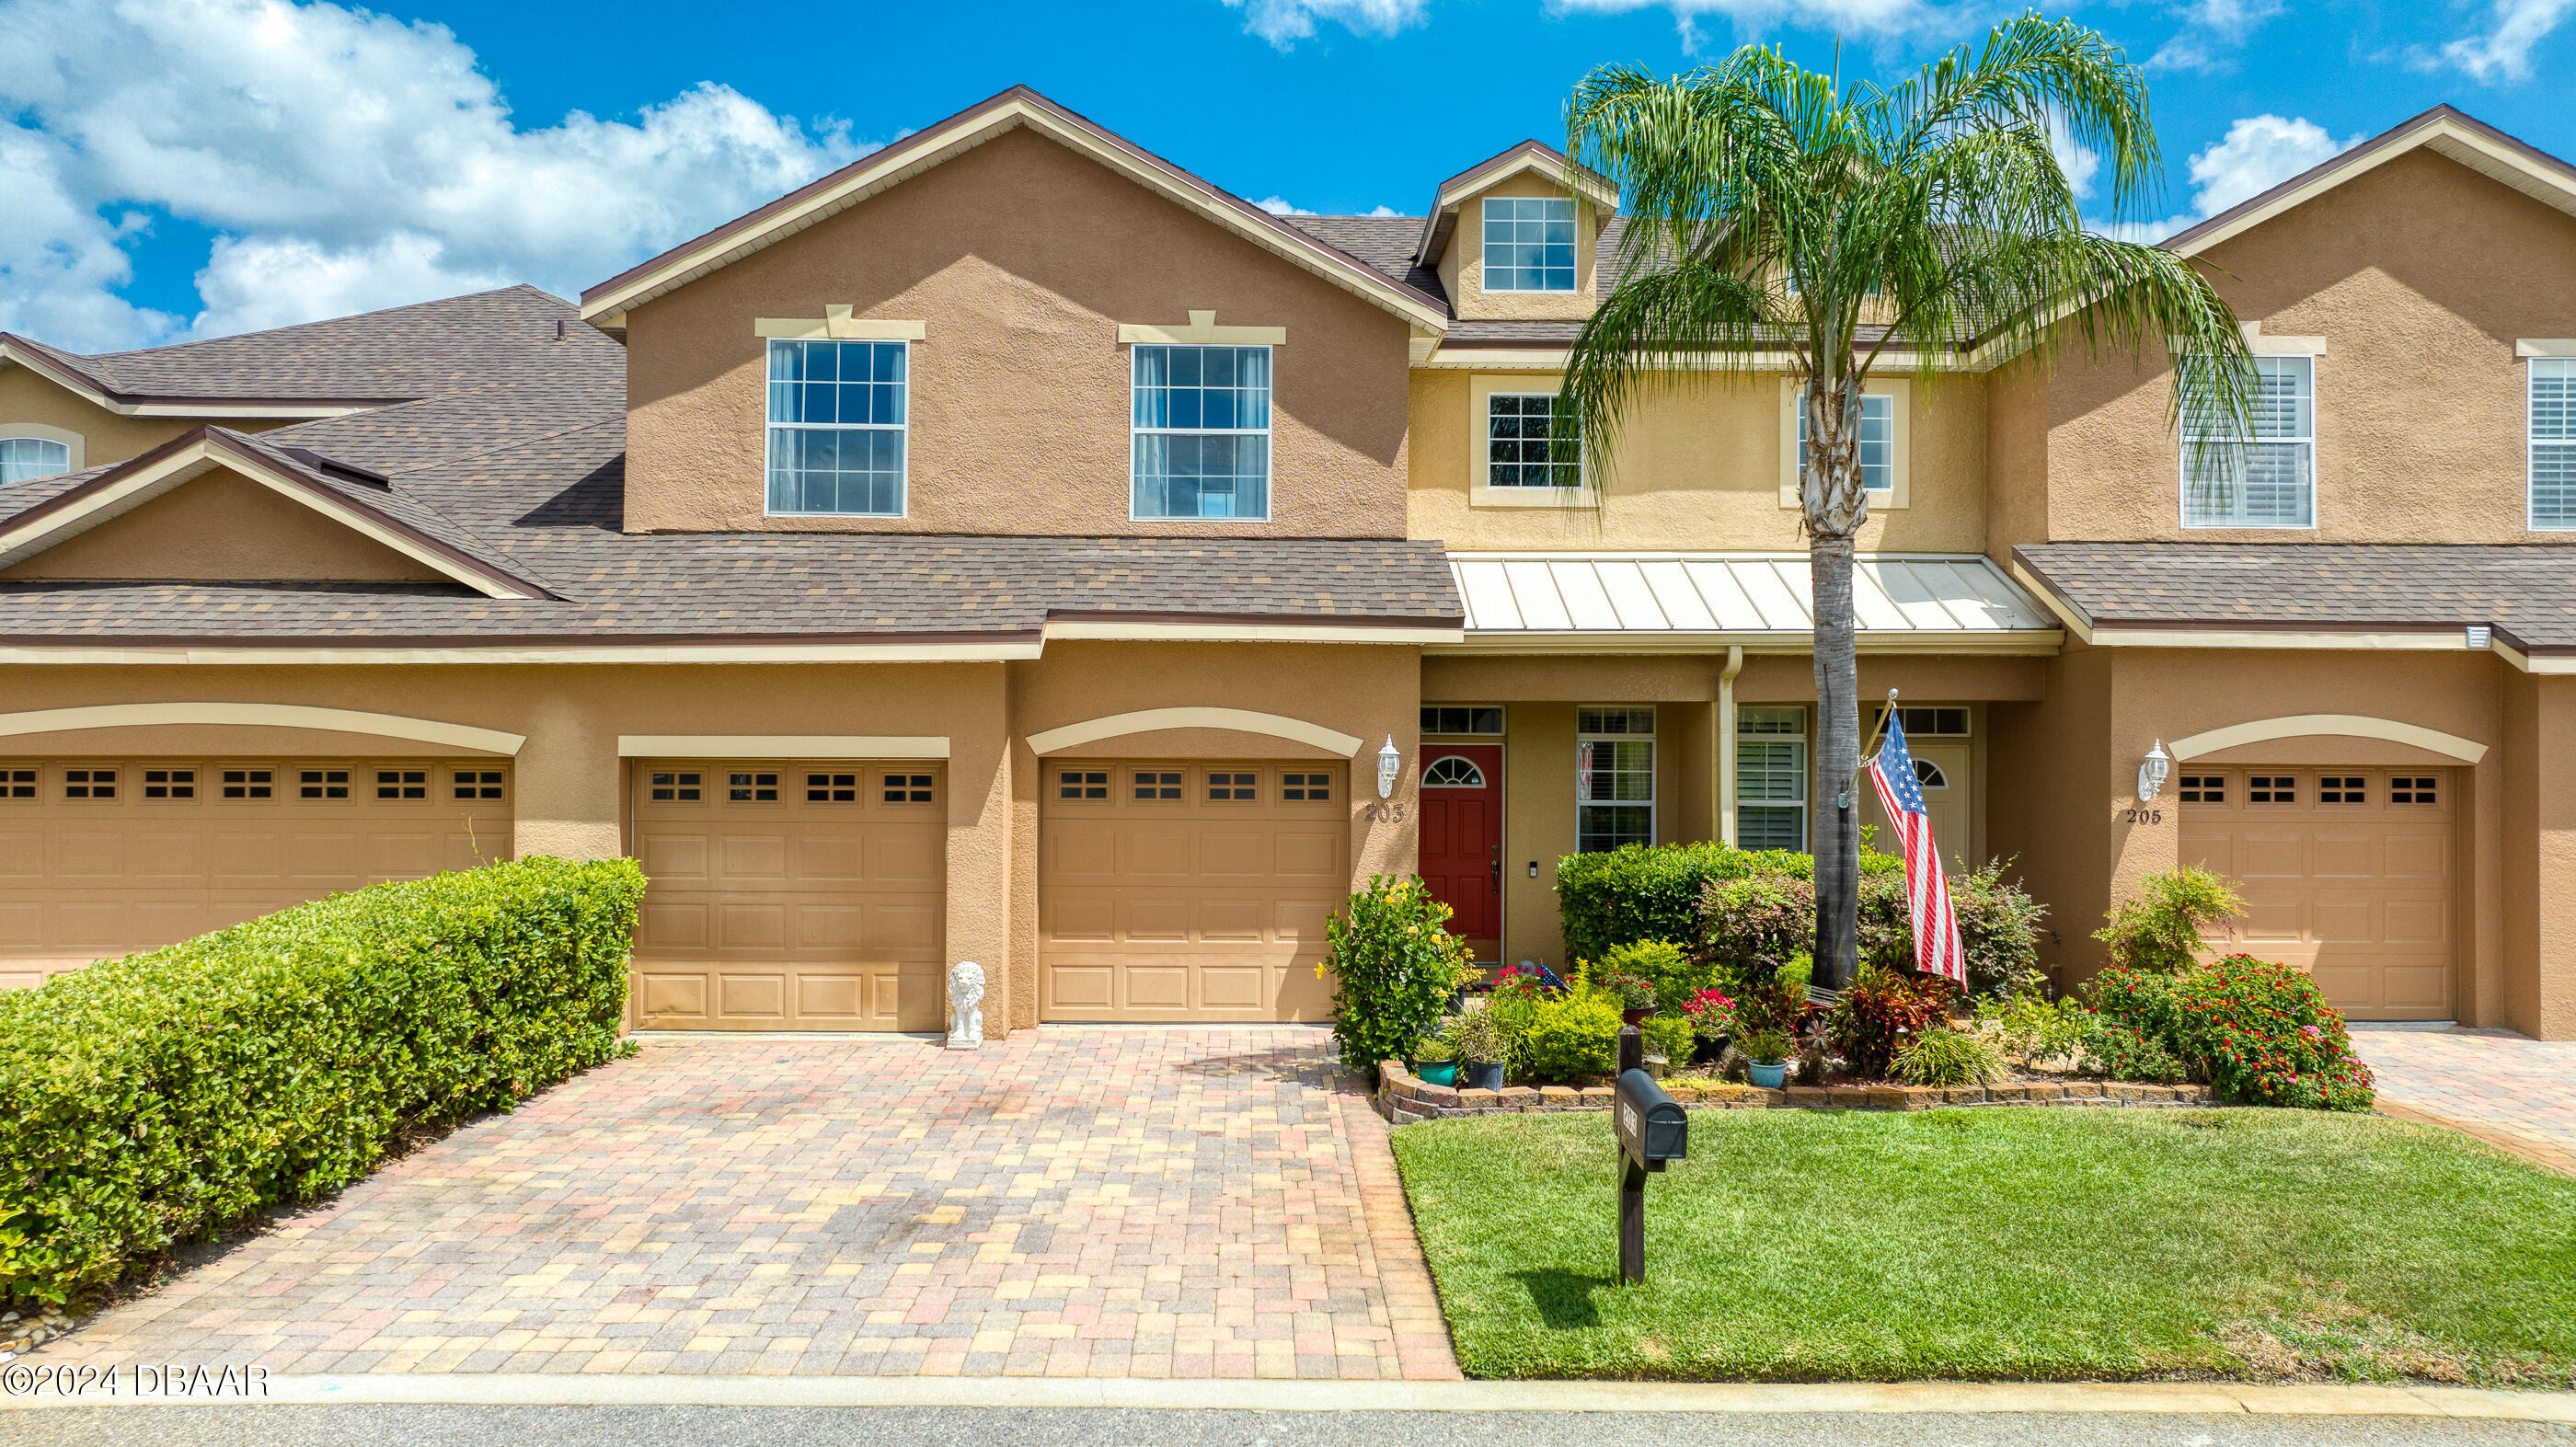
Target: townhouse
1014, 548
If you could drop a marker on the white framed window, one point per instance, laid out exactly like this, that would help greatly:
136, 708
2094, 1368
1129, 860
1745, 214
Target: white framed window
1453, 771
1771, 778
1877, 443
837, 428
2267, 480
24, 459
1201, 432
2553, 443
1614, 777
1529, 243
1520, 428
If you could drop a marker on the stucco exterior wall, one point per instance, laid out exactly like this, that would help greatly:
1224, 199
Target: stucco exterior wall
1462, 265
106, 437
221, 526
1698, 467
2539, 856
2419, 397
1021, 259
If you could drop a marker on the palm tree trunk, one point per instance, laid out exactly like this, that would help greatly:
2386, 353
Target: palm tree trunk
1829, 559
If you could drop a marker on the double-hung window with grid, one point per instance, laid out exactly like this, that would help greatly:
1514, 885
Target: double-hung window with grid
1529, 243
2267, 479
2553, 443
836, 427
1877, 446
1771, 778
1201, 439
1614, 778
1525, 446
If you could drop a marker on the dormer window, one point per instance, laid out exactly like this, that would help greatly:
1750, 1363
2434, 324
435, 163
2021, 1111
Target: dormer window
24, 459
1529, 243
836, 428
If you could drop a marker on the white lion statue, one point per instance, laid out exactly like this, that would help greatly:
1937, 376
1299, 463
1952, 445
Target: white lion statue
965, 1005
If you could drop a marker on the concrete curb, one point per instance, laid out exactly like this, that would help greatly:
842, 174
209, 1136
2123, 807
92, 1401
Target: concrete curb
568, 1390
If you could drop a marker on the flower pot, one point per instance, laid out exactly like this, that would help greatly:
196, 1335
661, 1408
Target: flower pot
1769, 1075
1436, 1072
1484, 1075
1636, 1017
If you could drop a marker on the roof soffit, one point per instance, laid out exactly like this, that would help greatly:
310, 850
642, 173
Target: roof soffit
606, 305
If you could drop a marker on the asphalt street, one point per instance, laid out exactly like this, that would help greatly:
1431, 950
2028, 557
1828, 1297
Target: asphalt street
445, 1426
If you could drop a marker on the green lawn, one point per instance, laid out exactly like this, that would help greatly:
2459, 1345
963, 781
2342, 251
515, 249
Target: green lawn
2001, 1244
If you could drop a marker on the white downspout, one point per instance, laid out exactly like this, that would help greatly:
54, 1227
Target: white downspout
1726, 742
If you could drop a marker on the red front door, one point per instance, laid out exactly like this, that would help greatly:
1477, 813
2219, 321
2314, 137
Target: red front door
1462, 839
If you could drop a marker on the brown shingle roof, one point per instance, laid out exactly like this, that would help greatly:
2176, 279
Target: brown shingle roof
2526, 592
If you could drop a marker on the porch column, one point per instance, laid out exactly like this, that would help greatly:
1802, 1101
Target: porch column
570, 782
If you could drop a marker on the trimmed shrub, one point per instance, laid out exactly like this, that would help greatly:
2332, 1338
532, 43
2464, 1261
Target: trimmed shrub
1949, 1057
2160, 928
1638, 892
1772, 916
164, 1096
1676, 976
1881, 1014
1570, 1037
1394, 966
1669, 1036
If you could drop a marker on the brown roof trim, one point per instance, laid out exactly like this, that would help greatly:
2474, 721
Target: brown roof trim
1257, 620
506, 641
930, 136
2395, 136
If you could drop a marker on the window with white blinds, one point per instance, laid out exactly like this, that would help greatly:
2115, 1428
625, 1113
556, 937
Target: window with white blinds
2267, 479
1771, 778
2553, 443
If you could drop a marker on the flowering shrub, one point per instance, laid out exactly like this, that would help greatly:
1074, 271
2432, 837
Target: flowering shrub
1711, 1014
1881, 1014
1633, 992
2122, 1053
1675, 974
1394, 967
2260, 1032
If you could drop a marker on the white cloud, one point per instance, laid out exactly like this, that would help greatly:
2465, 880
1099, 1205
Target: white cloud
1285, 22
2211, 27
1280, 206
349, 160
1384, 211
2505, 52
2257, 154
2074, 158
1860, 17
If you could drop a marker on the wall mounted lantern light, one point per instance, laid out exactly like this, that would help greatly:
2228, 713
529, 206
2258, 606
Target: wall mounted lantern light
2151, 773
1389, 763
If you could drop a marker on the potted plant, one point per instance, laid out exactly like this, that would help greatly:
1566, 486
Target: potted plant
1435, 1061
1636, 995
1478, 1039
1712, 1018
1766, 1055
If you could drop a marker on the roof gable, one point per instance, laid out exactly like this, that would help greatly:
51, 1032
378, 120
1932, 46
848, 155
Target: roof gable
606, 304
220, 527
2444, 130
354, 498
1529, 156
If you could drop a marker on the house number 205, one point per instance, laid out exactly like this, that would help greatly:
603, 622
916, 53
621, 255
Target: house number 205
2143, 816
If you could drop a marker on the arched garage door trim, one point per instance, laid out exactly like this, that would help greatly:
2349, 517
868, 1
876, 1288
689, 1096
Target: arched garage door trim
1243, 720
274, 715
2346, 725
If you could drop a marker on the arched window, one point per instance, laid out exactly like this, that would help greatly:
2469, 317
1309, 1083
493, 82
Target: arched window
1449, 771
24, 459
1929, 775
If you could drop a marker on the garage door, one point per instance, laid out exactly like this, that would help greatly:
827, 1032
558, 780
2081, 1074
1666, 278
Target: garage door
102, 857
790, 896
2350, 872
1190, 890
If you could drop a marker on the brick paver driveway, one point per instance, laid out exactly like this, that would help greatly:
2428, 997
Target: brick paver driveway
2504, 1088
1075, 1202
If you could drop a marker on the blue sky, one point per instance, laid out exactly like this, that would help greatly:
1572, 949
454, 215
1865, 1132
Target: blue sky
178, 168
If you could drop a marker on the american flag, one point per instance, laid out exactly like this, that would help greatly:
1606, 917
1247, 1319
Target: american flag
1937, 950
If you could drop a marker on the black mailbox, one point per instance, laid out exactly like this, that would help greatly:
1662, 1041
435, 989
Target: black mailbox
1652, 1128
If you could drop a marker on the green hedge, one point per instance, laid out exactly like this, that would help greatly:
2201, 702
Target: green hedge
1636, 892
164, 1096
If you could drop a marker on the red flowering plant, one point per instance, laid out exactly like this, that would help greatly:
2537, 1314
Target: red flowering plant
1710, 1013
1883, 1012
2260, 1032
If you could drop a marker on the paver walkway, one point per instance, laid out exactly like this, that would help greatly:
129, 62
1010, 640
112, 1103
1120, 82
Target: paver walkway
1071, 1202
2506, 1089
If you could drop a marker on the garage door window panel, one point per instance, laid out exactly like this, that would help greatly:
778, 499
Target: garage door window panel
170, 785
246, 785
2278, 790
90, 784
402, 785
323, 786
1082, 784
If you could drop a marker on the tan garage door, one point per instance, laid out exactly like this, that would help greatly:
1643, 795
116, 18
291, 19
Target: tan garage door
790, 896
1189, 891
102, 857
2350, 872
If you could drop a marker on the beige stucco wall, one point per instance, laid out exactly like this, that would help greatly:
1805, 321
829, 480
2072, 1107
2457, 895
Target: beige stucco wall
1698, 466
224, 526
105, 436
1021, 259
2419, 275
1462, 265
2538, 856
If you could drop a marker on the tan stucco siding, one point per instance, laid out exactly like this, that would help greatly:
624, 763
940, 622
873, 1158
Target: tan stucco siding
1698, 466
105, 436
2419, 276
222, 526
1462, 265
1021, 260
2539, 857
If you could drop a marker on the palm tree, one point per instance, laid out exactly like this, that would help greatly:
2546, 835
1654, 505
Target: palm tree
1776, 218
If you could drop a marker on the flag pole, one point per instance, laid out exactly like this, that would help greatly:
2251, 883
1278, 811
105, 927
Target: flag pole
1876, 734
